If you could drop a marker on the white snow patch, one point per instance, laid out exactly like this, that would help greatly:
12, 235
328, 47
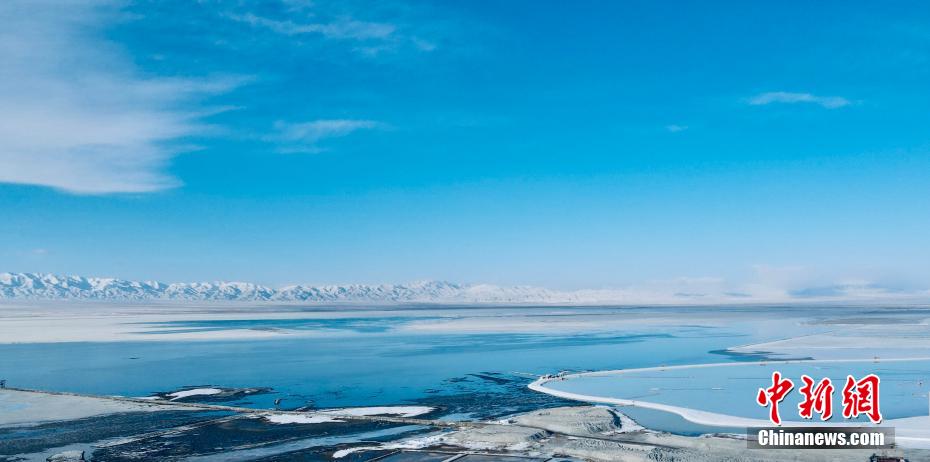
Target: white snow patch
344, 452
195, 392
299, 419
413, 443
402, 411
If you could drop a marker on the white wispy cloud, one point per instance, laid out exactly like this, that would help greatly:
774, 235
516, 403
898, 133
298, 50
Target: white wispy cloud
305, 136
371, 30
344, 28
74, 113
674, 128
829, 102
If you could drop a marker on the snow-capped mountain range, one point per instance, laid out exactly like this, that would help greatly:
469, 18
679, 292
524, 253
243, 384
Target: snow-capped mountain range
35, 286
50, 286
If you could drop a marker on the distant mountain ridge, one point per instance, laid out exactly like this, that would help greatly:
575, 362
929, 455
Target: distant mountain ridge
51, 286
36, 286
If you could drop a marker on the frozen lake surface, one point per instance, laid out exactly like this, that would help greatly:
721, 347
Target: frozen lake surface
344, 356
731, 389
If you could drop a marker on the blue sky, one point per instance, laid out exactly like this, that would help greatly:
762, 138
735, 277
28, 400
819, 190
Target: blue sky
747, 146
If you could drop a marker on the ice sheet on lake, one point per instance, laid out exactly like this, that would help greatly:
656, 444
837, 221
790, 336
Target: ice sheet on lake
25, 408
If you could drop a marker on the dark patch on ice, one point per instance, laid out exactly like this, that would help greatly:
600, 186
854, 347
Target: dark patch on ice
493, 402
490, 378
756, 356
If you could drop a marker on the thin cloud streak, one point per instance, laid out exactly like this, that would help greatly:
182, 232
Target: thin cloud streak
340, 29
829, 102
305, 136
335, 22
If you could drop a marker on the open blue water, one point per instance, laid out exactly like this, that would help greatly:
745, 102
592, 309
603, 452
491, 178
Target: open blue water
372, 360
359, 361
351, 370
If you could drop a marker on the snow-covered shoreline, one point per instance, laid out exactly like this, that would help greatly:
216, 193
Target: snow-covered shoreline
332, 415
